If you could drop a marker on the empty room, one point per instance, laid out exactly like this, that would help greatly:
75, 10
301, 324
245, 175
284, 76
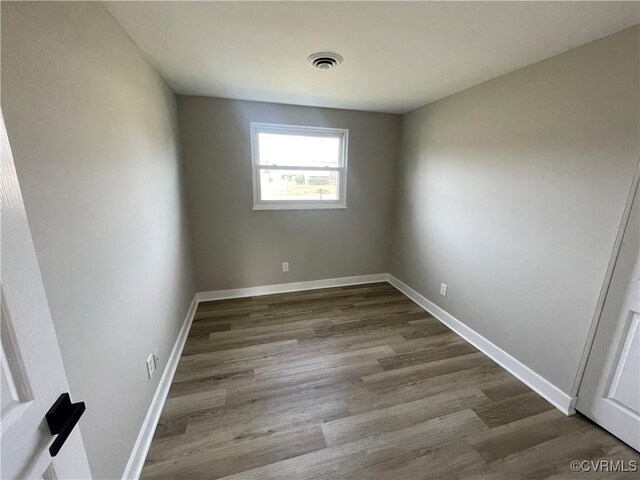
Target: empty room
337, 240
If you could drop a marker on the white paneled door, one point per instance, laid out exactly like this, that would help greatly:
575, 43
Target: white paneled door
32, 373
610, 389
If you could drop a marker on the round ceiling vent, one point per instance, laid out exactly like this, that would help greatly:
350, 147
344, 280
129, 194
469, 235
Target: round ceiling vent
324, 60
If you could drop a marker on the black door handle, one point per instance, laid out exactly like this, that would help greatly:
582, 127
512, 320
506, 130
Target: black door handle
62, 417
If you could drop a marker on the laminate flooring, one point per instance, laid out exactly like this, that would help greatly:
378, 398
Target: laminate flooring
356, 382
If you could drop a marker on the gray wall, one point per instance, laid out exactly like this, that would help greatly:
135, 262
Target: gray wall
512, 192
238, 247
93, 131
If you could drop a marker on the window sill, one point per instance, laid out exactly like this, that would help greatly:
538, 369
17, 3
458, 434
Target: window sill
287, 206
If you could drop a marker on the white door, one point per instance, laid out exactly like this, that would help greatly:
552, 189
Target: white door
32, 373
610, 389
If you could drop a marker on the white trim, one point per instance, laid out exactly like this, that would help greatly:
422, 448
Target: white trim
298, 206
595, 321
290, 287
341, 133
543, 387
303, 169
623, 358
145, 436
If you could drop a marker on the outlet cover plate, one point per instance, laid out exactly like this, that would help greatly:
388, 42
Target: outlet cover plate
151, 365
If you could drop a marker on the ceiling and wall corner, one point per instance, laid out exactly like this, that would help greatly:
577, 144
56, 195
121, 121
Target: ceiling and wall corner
398, 56
94, 136
90, 120
239, 247
512, 193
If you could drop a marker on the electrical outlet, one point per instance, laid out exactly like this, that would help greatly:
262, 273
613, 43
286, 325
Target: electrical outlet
151, 365
285, 266
156, 359
443, 289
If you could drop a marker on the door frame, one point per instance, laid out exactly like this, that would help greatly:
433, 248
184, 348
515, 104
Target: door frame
25, 297
597, 316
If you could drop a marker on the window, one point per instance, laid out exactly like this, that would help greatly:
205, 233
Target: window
298, 167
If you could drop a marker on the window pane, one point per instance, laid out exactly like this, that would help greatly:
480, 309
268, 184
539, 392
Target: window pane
298, 150
299, 184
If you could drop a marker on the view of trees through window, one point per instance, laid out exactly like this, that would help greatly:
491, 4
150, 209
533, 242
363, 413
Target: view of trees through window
298, 185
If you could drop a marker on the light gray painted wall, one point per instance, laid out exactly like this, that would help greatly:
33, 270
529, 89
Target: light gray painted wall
93, 131
238, 247
512, 192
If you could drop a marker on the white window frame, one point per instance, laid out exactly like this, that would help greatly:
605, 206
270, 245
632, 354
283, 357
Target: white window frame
259, 204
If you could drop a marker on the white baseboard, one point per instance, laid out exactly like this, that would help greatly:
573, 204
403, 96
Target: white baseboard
143, 442
553, 394
145, 436
543, 387
290, 287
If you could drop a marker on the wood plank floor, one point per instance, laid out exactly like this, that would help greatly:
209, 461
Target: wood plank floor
355, 383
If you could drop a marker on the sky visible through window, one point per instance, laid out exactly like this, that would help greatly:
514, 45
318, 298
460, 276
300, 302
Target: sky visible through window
298, 150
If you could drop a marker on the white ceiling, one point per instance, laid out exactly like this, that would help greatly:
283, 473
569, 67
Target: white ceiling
397, 55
